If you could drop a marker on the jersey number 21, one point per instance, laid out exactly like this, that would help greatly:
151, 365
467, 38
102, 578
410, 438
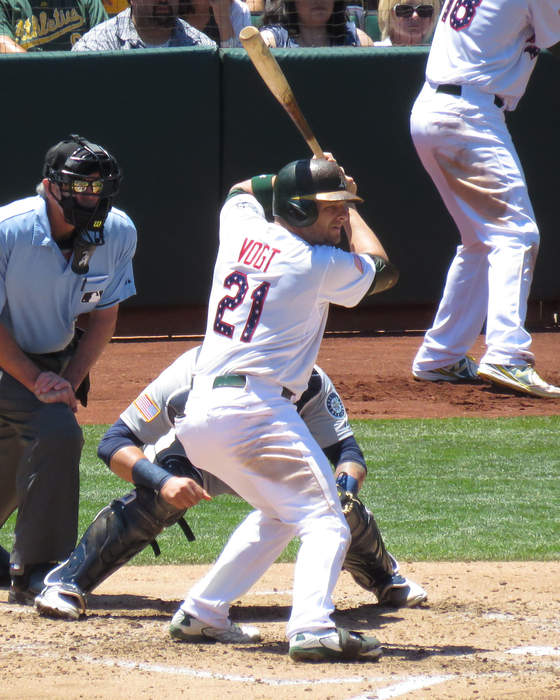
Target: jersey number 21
239, 280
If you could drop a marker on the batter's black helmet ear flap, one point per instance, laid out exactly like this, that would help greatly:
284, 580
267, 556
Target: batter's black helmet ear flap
301, 184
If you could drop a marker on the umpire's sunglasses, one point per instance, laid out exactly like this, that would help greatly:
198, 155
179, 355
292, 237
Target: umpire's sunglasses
407, 11
82, 186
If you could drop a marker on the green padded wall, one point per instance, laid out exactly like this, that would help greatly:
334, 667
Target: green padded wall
159, 113
187, 123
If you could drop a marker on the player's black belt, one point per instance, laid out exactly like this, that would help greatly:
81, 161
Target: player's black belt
240, 380
457, 90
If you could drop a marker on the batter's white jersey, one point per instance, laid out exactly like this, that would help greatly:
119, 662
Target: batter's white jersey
270, 297
492, 44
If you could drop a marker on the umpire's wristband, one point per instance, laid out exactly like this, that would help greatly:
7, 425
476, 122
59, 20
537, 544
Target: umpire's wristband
146, 473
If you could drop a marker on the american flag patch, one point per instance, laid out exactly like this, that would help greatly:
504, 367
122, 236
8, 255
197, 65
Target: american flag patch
146, 407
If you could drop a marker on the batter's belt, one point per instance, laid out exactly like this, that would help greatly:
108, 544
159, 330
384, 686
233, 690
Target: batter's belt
240, 381
457, 90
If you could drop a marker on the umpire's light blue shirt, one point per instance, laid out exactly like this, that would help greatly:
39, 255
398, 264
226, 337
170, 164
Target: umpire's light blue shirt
40, 296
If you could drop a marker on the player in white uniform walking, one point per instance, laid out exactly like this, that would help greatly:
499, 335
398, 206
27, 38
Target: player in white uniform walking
272, 286
482, 56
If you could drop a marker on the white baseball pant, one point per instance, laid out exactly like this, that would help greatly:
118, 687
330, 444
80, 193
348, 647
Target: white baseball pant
255, 441
465, 146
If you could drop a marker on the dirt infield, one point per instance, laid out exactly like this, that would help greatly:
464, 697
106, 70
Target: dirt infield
489, 630
372, 375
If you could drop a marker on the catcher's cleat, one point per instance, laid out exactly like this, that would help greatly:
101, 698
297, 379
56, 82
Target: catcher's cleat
24, 587
464, 370
334, 645
400, 592
520, 378
186, 628
55, 601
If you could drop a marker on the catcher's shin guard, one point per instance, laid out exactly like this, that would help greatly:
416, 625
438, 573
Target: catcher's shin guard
367, 559
118, 532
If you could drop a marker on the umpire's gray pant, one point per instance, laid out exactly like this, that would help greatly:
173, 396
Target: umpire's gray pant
40, 448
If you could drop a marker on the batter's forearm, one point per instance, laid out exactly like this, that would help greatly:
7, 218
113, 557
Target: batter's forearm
361, 237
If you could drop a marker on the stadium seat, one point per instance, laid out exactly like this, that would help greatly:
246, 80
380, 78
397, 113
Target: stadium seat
372, 25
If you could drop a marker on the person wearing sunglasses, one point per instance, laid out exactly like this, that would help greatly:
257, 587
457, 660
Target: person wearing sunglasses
63, 253
407, 22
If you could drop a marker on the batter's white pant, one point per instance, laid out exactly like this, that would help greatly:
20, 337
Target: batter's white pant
255, 441
464, 144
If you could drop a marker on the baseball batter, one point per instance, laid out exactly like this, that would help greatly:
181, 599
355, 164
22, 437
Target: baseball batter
272, 286
482, 57
130, 523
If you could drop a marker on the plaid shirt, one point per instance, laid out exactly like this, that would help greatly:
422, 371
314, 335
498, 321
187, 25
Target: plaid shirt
120, 33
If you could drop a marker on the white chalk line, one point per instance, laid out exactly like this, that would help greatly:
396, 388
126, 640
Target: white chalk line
407, 686
534, 651
419, 682
404, 684
185, 671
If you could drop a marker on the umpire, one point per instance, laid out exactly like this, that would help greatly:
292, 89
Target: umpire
63, 253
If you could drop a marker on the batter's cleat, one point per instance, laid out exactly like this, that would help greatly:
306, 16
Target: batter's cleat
334, 645
400, 592
186, 628
464, 370
519, 378
54, 601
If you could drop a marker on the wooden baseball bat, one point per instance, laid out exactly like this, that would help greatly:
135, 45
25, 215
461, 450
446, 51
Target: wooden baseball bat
275, 80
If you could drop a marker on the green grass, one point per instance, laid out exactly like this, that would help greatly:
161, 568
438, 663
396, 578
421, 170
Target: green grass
441, 489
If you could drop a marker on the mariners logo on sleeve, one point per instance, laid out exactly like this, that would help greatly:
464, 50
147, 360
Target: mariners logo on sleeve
146, 407
335, 406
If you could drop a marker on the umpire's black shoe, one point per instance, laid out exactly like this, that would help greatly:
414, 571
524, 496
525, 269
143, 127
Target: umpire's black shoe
24, 587
4, 568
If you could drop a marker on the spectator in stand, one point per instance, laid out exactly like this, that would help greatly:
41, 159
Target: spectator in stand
113, 7
221, 20
145, 24
256, 5
407, 22
49, 25
294, 23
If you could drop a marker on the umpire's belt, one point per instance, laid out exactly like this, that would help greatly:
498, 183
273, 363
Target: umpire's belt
458, 90
240, 380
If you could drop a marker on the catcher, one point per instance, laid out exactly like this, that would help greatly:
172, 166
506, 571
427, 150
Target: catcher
167, 484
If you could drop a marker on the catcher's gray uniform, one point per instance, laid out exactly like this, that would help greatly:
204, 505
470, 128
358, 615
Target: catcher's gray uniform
130, 523
151, 415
